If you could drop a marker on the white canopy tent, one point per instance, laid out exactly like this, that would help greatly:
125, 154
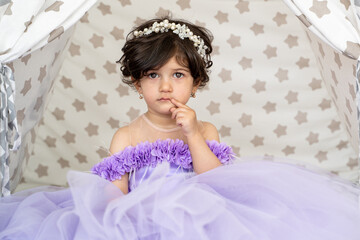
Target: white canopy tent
279, 86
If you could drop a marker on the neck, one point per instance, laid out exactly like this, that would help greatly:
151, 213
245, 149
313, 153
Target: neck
162, 121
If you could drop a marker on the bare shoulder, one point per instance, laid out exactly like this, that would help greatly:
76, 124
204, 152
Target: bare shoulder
120, 140
209, 131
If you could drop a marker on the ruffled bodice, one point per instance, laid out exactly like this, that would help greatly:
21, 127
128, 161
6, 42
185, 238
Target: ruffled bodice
144, 156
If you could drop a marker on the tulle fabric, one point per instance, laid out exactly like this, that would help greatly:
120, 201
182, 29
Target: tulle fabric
249, 200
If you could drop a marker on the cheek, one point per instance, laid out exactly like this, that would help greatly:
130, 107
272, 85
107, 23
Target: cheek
147, 88
184, 96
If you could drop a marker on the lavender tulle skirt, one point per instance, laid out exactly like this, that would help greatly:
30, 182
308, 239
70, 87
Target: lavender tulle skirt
255, 200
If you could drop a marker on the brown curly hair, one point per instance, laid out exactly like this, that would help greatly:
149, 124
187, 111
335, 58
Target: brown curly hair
148, 52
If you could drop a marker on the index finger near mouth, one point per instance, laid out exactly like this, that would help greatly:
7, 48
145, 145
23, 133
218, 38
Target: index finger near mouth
177, 103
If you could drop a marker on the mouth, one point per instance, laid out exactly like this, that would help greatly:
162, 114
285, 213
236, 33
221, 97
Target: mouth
164, 99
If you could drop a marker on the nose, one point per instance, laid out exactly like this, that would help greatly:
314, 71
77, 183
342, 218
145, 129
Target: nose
165, 85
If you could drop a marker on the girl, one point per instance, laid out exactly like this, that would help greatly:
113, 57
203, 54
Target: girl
172, 179
166, 70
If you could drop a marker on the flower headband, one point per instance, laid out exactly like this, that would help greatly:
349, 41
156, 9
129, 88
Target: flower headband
182, 30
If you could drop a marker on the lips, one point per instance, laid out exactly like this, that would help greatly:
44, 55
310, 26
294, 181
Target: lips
164, 99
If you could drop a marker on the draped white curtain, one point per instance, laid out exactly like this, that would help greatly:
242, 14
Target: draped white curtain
25, 27
335, 22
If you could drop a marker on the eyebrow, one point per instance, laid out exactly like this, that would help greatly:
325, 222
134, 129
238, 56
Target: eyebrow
183, 69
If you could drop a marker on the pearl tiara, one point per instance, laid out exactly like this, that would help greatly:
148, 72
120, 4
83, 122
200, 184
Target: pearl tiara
182, 30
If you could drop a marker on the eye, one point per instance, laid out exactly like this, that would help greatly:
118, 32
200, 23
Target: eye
153, 75
178, 75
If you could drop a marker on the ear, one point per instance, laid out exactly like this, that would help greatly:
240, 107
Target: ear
195, 87
137, 85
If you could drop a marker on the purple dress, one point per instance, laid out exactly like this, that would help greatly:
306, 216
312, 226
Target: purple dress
257, 200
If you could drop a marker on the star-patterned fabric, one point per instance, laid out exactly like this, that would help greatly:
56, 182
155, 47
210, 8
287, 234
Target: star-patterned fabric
267, 93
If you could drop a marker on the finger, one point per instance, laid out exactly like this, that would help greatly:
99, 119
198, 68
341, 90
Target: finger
180, 119
177, 103
176, 112
179, 122
173, 111
173, 108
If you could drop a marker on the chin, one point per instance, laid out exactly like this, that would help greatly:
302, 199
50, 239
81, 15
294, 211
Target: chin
163, 111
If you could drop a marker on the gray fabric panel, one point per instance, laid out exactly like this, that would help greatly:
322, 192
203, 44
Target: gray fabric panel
9, 135
358, 100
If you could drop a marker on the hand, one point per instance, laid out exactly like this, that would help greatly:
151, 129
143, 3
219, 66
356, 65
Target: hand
185, 117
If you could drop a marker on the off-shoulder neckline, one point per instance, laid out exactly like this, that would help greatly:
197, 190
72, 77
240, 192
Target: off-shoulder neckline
152, 153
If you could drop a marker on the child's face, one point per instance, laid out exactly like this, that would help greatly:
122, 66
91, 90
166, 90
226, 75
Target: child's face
172, 80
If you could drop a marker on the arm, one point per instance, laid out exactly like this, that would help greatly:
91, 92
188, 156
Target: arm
119, 141
203, 158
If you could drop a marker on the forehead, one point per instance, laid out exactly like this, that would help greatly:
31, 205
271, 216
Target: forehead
177, 61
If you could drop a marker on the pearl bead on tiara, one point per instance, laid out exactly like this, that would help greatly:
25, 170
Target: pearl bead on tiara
182, 30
